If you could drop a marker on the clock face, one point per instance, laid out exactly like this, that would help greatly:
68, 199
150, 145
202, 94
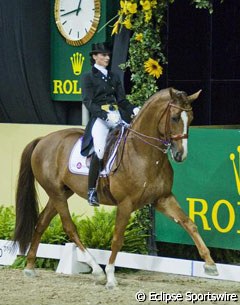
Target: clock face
77, 20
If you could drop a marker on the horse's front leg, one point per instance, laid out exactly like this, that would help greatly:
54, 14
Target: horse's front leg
170, 207
122, 218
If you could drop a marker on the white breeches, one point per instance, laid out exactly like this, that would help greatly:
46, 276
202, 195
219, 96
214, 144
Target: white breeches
100, 132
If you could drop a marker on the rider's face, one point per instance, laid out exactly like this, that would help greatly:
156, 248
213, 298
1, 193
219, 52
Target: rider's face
102, 59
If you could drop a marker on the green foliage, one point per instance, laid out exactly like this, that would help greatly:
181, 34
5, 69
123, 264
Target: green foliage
97, 232
135, 238
7, 222
54, 233
204, 4
46, 263
20, 262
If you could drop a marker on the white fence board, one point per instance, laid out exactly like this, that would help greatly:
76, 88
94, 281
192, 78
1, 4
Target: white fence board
71, 261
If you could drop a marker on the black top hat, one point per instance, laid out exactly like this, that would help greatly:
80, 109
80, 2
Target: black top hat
100, 47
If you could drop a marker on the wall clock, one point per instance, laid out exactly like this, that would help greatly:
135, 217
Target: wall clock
77, 20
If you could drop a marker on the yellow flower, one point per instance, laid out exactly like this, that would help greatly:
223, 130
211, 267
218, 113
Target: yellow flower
127, 23
123, 5
139, 37
132, 7
153, 68
154, 3
148, 16
146, 5
115, 28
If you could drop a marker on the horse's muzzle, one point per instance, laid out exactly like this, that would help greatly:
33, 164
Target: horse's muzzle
178, 157
177, 154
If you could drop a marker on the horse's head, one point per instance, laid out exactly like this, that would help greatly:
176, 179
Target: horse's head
164, 120
179, 115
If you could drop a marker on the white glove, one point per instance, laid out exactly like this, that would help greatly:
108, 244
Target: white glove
113, 117
136, 110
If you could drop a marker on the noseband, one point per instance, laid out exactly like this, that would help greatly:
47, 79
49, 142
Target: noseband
166, 141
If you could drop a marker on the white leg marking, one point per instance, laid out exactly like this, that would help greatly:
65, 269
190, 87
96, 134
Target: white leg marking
29, 272
184, 141
111, 280
97, 271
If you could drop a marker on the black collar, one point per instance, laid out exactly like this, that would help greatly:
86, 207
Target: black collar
95, 71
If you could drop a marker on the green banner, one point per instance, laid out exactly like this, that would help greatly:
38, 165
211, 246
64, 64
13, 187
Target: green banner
207, 186
68, 61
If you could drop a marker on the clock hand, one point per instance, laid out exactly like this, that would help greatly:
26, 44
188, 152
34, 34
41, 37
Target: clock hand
73, 11
79, 7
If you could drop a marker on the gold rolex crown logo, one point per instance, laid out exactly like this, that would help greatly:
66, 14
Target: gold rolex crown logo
236, 172
77, 63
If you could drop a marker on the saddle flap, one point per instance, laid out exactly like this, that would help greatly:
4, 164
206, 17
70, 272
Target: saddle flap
79, 164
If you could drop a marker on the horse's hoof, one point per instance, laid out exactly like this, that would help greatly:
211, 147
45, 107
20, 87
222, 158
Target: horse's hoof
29, 272
211, 270
111, 285
99, 277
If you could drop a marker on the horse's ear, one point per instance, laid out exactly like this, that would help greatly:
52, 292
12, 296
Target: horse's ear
194, 96
175, 94
172, 93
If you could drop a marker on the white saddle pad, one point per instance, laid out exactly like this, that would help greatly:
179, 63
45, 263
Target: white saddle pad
78, 163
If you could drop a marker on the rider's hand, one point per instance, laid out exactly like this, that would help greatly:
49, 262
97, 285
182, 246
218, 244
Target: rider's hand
113, 117
136, 110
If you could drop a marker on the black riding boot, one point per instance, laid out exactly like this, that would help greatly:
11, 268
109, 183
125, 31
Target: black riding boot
92, 181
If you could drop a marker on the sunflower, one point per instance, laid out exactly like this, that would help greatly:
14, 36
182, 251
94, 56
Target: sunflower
153, 68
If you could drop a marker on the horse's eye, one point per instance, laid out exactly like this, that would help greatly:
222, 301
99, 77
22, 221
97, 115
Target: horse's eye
176, 119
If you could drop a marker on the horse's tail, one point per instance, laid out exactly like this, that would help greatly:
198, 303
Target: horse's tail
26, 200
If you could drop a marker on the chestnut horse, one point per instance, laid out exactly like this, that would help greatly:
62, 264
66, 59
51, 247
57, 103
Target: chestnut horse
143, 175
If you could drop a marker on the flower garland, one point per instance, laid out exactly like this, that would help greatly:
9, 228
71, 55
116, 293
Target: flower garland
145, 19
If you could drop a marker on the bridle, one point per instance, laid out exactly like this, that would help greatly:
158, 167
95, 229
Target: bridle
166, 141
176, 137
168, 137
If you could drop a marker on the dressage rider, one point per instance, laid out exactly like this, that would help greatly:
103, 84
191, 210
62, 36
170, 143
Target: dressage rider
104, 97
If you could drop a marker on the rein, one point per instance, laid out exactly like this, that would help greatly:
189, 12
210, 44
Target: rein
167, 141
141, 137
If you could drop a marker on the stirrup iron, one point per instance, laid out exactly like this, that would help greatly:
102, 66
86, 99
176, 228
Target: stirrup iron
92, 197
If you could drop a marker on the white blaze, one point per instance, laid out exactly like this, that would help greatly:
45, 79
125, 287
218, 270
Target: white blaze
184, 118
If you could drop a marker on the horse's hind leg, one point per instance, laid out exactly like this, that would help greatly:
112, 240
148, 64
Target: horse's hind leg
69, 227
170, 207
43, 221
